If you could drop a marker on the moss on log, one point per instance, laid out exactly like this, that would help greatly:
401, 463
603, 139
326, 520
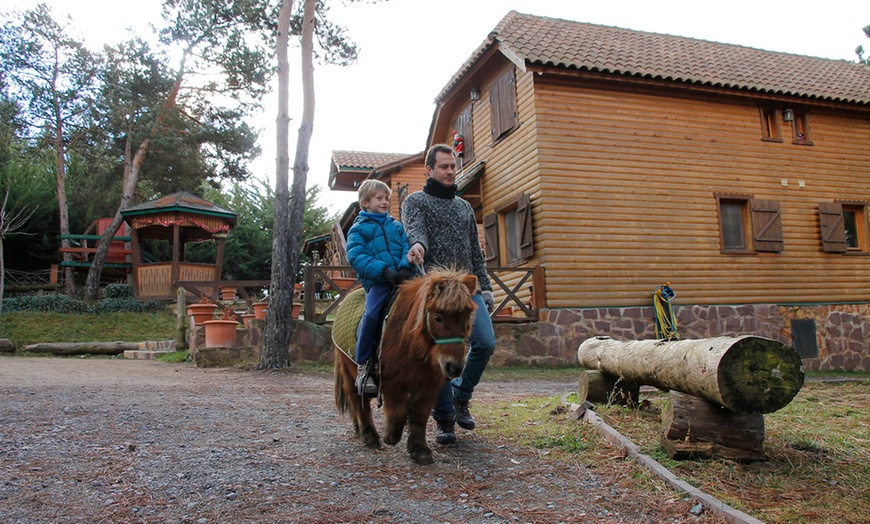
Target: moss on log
745, 374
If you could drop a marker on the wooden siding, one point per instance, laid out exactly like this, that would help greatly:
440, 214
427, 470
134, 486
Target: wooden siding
626, 196
511, 163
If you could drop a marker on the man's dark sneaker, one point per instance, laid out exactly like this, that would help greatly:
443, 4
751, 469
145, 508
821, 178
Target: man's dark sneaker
446, 434
463, 417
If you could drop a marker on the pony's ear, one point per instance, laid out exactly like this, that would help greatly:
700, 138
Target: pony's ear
470, 282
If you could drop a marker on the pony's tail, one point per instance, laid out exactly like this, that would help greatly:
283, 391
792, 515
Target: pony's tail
340, 398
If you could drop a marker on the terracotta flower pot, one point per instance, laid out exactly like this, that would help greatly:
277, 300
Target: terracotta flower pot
297, 309
201, 312
220, 333
246, 319
260, 310
343, 283
228, 293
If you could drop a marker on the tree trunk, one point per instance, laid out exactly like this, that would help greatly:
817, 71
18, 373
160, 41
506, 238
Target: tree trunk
63, 209
745, 374
82, 348
276, 335
696, 428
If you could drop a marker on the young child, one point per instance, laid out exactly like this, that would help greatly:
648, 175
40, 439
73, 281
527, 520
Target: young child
377, 248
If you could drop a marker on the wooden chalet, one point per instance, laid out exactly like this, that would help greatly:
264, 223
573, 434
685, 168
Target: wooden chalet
621, 160
179, 218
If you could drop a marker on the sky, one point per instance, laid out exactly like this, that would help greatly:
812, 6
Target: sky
409, 50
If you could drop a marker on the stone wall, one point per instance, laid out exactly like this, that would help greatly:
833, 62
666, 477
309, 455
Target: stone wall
842, 333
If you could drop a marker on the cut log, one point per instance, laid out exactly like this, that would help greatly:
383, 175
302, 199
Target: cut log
82, 348
696, 428
745, 374
601, 388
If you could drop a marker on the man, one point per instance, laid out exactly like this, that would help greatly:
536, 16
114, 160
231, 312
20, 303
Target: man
442, 232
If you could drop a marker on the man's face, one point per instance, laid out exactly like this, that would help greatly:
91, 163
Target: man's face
444, 171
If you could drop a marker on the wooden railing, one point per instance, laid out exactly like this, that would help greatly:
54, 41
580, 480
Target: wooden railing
518, 291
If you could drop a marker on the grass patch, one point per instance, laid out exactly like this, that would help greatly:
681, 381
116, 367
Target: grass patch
818, 446
176, 357
27, 327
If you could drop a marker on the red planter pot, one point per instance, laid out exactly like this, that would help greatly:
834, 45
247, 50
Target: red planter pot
220, 333
201, 312
260, 310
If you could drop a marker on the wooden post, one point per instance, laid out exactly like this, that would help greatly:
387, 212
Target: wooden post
601, 388
696, 428
180, 318
746, 374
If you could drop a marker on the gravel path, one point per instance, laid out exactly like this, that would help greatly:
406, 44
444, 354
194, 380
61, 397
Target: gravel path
108, 440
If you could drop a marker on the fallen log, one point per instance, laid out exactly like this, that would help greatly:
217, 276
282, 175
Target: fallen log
694, 428
82, 348
745, 374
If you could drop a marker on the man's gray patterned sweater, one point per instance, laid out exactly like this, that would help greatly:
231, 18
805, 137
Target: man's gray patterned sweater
448, 232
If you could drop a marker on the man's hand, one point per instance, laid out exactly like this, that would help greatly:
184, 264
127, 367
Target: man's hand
416, 253
489, 300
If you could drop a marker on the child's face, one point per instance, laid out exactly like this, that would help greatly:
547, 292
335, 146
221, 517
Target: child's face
379, 203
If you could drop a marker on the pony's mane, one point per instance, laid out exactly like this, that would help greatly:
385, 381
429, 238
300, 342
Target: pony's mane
445, 287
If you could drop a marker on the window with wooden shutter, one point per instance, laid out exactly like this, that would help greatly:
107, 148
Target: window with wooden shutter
462, 125
766, 225
490, 229
832, 228
503, 104
509, 237
734, 223
844, 226
771, 129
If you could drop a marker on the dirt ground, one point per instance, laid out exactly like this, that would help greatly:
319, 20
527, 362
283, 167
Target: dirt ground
112, 440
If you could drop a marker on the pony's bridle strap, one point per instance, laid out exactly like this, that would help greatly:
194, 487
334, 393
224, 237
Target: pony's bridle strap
444, 340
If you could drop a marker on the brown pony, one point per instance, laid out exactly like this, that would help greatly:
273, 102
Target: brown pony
424, 344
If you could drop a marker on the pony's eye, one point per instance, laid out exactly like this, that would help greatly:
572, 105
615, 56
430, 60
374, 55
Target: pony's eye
439, 319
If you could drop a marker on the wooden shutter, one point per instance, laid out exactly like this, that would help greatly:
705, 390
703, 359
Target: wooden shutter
462, 125
766, 225
832, 227
490, 229
524, 216
503, 104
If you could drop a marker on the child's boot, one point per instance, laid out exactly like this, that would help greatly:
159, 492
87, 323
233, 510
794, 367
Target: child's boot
365, 384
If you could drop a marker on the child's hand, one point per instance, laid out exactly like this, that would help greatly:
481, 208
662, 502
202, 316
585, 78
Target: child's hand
390, 275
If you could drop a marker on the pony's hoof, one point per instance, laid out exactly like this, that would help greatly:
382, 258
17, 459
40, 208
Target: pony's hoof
422, 457
392, 440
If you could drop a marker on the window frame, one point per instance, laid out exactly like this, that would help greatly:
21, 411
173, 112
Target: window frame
771, 127
800, 127
760, 224
505, 246
463, 125
834, 230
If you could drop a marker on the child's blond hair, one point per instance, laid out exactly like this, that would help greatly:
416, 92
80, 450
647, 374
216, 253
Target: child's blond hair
370, 188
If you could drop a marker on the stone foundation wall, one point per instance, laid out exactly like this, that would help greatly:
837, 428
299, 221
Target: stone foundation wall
842, 331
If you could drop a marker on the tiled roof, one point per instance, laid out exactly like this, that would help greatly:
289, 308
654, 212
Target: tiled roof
365, 160
178, 201
573, 45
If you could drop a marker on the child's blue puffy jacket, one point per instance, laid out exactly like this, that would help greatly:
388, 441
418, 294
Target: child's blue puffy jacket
373, 246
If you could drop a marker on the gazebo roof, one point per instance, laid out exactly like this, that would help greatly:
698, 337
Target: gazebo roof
183, 202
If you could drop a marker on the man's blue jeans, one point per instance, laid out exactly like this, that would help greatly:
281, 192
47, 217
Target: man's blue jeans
482, 341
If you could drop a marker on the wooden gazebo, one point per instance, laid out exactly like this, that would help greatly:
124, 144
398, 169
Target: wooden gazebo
180, 218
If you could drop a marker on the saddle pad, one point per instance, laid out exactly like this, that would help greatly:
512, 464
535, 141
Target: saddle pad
347, 319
